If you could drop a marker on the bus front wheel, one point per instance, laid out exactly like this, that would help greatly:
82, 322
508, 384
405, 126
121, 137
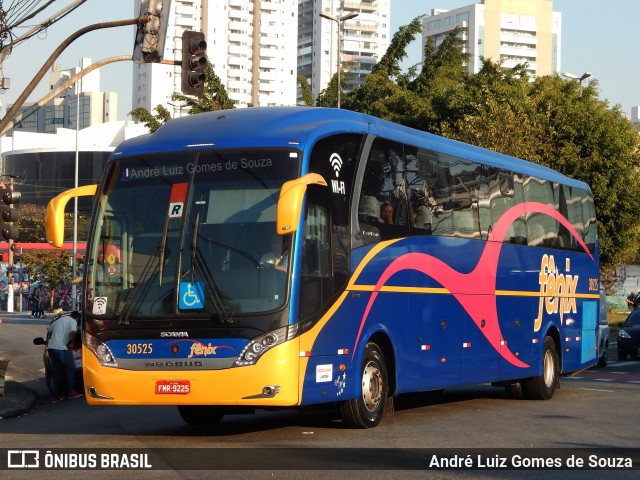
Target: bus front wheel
367, 410
200, 415
543, 386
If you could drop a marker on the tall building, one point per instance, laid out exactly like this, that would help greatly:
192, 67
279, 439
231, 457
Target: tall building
510, 31
62, 111
250, 43
365, 40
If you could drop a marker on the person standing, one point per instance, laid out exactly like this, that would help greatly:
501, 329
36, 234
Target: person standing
62, 338
631, 299
39, 298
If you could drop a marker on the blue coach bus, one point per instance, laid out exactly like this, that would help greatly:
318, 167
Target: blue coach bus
269, 258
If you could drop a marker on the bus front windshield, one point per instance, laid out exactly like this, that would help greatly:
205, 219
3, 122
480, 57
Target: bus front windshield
190, 235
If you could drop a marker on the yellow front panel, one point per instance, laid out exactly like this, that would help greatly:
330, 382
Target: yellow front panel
277, 367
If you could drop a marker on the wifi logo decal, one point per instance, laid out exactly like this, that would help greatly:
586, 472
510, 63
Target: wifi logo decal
336, 164
100, 305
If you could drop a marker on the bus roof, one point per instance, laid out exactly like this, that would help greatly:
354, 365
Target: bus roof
300, 126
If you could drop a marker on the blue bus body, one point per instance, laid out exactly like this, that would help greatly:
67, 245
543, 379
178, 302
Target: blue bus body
443, 309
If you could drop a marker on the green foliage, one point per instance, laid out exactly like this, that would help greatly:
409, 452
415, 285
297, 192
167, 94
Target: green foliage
215, 98
329, 96
550, 121
32, 229
215, 95
152, 122
389, 64
52, 266
305, 89
31, 223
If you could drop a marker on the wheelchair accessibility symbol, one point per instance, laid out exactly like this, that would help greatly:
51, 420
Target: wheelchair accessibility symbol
191, 296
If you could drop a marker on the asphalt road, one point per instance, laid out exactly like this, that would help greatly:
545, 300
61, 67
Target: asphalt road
593, 411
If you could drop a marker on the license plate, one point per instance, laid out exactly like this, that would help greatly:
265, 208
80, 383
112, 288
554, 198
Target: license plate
173, 387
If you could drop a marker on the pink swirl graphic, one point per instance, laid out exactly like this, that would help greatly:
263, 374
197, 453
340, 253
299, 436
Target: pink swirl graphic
479, 285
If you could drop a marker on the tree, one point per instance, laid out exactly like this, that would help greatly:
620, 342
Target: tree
305, 90
32, 229
52, 266
584, 138
548, 121
382, 95
215, 98
31, 223
563, 126
215, 95
152, 122
328, 97
493, 109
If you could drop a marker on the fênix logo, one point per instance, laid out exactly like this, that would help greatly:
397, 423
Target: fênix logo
557, 290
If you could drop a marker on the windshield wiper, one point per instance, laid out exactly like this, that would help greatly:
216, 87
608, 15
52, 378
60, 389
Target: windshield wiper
163, 249
135, 295
197, 259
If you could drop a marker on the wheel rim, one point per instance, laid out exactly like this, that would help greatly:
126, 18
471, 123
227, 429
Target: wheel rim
549, 369
372, 386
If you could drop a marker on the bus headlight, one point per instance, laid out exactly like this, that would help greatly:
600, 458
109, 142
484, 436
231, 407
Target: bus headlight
100, 350
256, 347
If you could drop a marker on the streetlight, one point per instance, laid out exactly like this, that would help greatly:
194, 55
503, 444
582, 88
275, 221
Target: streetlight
74, 265
580, 78
339, 21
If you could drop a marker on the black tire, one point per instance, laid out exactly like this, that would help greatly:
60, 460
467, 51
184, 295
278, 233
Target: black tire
622, 355
200, 415
544, 385
604, 358
367, 410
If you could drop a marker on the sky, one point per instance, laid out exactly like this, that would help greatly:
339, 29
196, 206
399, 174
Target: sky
597, 37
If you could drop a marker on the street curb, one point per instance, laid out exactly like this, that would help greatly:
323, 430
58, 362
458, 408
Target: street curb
17, 400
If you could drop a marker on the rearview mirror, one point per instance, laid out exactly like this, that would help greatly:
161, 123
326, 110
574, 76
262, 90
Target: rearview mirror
290, 202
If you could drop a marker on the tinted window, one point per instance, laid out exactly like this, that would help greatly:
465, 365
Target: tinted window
383, 205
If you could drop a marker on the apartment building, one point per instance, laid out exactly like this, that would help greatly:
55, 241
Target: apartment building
365, 39
250, 43
510, 31
62, 110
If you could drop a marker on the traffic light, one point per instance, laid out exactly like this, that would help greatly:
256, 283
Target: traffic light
151, 36
194, 62
8, 214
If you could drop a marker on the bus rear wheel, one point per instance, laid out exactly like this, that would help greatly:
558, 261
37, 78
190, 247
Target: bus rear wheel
367, 410
200, 415
543, 386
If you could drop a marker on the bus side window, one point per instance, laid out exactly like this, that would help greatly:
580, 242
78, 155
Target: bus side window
542, 229
316, 281
385, 184
369, 220
315, 246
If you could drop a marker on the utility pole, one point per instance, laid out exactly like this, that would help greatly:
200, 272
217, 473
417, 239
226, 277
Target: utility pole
10, 299
9, 230
10, 241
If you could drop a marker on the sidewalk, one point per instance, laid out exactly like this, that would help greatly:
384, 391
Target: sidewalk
18, 399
